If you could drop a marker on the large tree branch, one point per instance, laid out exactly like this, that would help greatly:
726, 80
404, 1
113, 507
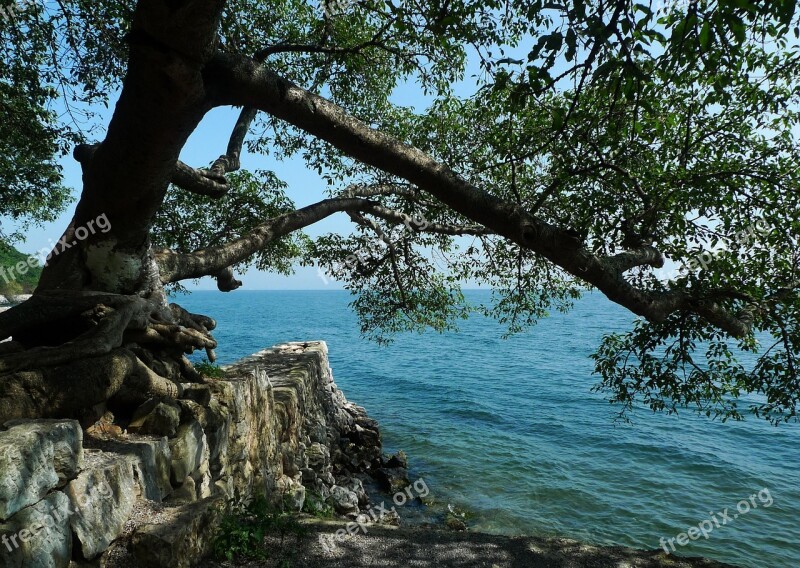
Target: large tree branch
239, 81
216, 261
175, 267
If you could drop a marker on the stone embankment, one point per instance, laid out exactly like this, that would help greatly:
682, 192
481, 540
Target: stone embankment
151, 491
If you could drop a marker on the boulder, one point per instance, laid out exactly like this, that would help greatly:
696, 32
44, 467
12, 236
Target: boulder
36, 457
392, 479
38, 536
185, 535
357, 487
102, 497
189, 451
295, 498
343, 500
400, 459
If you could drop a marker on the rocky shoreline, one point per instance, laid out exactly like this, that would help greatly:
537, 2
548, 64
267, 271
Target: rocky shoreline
151, 489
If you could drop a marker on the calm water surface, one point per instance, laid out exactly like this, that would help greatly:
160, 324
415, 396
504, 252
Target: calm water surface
510, 429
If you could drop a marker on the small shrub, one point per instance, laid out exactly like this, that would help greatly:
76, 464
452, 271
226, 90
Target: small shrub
208, 369
242, 532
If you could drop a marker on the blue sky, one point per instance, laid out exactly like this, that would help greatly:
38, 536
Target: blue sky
204, 146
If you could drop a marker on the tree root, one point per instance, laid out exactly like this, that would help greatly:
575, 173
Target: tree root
64, 391
72, 351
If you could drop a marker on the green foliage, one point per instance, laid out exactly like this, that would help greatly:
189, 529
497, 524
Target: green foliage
241, 533
208, 369
20, 283
315, 505
671, 124
188, 222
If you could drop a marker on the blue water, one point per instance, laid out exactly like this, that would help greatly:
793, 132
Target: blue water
510, 429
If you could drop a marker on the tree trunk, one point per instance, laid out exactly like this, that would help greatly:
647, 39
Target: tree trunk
98, 330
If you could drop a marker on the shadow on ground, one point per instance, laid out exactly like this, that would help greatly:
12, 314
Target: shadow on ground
413, 548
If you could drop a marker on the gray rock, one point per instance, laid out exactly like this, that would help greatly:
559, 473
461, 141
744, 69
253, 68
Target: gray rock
296, 498
318, 456
357, 486
38, 536
152, 460
187, 492
35, 457
103, 497
184, 537
343, 500
189, 450
392, 479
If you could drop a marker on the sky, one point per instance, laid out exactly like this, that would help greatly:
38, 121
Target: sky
203, 147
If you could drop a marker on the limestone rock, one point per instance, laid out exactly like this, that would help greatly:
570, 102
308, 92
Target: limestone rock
187, 492
36, 457
343, 500
38, 536
184, 537
103, 497
357, 487
296, 498
318, 456
189, 450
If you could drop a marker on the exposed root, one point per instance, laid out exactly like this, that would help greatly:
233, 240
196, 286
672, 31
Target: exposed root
72, 351
143, 383
109, 326
64, 391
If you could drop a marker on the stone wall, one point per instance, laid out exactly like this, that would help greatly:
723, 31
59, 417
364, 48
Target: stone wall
151, 491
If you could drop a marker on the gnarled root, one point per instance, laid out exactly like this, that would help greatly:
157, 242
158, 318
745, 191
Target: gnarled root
63, 391
75, 350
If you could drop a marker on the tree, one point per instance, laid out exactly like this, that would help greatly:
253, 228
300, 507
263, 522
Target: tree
600, 139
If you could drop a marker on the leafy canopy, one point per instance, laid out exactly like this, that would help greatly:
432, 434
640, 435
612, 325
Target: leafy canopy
665, 124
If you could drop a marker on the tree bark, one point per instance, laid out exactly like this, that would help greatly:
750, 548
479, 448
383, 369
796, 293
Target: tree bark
237, 80
98, 327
